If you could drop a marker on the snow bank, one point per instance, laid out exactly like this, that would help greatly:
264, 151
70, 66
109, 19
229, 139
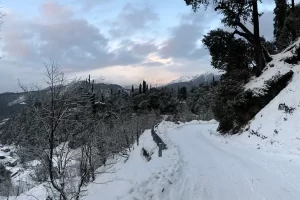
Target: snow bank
137, 178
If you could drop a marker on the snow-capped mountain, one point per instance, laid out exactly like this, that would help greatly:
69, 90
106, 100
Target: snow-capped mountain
182, 79
190, 81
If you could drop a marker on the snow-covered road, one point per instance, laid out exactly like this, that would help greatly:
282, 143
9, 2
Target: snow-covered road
214, 169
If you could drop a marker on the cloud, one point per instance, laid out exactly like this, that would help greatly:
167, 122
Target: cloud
134, 46
53, 11
186, 36
72, 42
89, 5
133, 19
152, 64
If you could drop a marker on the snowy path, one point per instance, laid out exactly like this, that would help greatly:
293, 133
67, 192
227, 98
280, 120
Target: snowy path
213, 169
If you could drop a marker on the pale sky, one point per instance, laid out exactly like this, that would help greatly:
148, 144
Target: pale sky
123, 41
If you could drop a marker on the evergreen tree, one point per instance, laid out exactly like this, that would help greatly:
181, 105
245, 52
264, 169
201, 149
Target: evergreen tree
291, 28
140, 88
182, 93
111, 91
144, 86
132, 89
228, 53
234, 13
280, 14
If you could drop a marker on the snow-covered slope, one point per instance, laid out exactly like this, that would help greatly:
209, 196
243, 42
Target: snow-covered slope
276, 67
182, 79
19, 100
278, 122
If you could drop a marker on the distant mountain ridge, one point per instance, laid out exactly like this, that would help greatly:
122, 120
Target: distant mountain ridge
193, 81
12, 103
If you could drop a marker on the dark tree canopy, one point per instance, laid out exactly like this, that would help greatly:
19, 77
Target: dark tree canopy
228, 53
280, 13
182, 93
233, 12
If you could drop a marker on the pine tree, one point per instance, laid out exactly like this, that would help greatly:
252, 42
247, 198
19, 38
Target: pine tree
234, 14
132, 89
111, 91
140, 88
182, 93
144, 86
280, 14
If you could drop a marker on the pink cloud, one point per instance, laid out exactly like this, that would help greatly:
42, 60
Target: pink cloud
54, 11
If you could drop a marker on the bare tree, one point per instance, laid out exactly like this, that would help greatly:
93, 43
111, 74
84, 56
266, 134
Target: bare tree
53, 111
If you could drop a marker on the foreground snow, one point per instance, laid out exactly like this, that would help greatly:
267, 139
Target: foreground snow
198, 164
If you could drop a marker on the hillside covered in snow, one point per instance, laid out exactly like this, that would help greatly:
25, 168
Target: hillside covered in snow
276, 125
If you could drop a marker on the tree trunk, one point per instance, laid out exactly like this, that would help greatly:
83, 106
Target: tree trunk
260, 60
250, 38
293, 30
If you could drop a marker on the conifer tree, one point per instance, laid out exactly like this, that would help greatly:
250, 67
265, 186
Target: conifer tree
280, 14
140, 88
144, 86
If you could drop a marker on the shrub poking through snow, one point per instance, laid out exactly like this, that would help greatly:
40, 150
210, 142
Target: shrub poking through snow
252, 132
285, 108
146, 154
295, 59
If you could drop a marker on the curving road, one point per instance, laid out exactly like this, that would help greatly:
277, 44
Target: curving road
217, 170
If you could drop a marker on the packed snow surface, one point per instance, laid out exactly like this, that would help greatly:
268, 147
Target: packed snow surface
215, 168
